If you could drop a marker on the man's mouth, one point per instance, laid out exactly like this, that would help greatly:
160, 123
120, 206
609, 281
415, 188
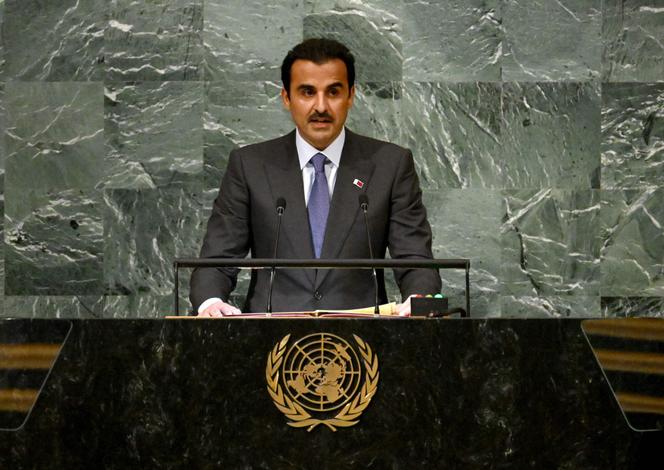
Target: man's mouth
320, 124
320, 119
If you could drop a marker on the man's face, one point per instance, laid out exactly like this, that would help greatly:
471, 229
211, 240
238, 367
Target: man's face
319, 100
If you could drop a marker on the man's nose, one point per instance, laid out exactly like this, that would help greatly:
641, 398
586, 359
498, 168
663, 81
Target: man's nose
321, 103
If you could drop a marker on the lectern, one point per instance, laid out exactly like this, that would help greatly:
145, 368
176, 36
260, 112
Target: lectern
233, 393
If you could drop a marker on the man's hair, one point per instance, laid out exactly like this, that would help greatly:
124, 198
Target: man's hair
318, 51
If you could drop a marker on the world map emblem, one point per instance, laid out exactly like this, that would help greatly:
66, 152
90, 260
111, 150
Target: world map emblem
322, 379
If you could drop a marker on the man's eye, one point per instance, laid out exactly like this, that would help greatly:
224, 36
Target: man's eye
307, 92
334, 92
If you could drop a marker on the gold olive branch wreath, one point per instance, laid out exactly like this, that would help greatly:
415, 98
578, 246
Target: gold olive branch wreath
299, 417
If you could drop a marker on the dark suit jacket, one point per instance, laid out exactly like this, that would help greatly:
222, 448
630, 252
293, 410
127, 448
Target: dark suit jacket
244, 220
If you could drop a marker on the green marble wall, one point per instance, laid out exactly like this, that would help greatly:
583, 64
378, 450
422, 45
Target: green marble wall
538, 130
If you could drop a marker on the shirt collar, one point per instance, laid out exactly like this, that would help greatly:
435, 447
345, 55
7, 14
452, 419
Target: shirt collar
333, 151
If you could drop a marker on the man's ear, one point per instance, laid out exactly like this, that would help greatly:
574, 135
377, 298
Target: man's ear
285, 99
351, 95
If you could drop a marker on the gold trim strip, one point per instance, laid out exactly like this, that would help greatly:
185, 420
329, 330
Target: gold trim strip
631, 361
651, 329
634, 403
14, 399
28, 355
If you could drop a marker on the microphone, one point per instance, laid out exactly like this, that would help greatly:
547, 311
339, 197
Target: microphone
364, 205
281, 207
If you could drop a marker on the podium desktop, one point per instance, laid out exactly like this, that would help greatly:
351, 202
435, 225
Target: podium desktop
275, 263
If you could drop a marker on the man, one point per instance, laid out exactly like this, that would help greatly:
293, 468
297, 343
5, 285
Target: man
320, 170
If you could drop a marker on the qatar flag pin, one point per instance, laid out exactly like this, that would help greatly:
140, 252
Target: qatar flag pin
358, 183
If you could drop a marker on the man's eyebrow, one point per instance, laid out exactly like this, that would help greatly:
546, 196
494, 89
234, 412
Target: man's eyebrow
336, 85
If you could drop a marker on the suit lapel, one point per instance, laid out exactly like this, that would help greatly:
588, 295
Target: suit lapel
285, 179
344, 206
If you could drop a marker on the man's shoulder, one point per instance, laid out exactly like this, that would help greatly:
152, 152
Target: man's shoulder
367, 146
372, 147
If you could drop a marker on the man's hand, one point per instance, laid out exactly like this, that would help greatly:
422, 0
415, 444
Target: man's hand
403, 310
219, 309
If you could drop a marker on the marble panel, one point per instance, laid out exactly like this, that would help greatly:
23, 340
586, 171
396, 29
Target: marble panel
2, 258
248, 39
632, 33
632, 249
54, 306
551, 40
465, 224
57, 248
54, 141
144, 231
376, 111
148, 305
550, 306
167, 142
190, 247
3, 123
633, 306
2, 245
54, 160
551, 135
143, 305
452, 40
2, 40
550, 243
153, 132
243, 113
238, 114
391, 288
632, 135
156, 40
2, 175
454, 132
371, 34
239, 294
383, 9
54, 40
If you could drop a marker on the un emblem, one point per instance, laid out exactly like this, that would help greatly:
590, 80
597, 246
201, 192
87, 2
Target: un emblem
321, 379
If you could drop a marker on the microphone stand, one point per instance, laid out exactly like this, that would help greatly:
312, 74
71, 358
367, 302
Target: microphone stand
281, 206
364, 205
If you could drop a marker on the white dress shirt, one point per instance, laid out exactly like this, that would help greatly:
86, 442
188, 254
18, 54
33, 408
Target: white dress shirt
333, 153
304, 153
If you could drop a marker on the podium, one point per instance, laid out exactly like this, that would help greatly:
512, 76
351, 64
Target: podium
460, 393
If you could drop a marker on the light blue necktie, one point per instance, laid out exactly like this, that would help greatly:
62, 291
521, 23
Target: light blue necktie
319, 203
